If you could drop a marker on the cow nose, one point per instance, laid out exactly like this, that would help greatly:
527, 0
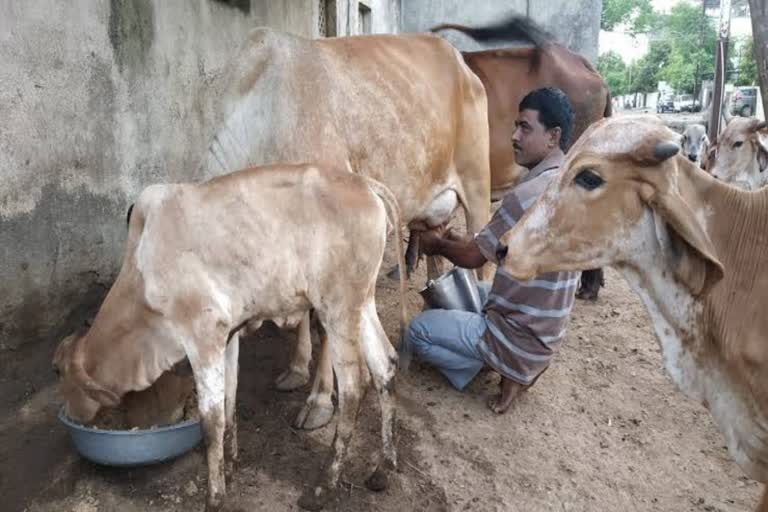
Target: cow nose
501, 252
692, 158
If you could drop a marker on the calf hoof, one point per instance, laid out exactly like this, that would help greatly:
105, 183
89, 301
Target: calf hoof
314, 415
291, 379
215, 504
316, 498
378, 481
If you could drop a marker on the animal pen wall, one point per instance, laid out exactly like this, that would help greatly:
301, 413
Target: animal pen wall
101, 98
98, 100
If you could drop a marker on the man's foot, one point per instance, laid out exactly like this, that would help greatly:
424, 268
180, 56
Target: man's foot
509, 391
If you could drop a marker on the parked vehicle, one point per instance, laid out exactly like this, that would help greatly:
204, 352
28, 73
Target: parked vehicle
683, 103
744, 101
665, 104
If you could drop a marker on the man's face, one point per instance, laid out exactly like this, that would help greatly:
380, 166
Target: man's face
532, 141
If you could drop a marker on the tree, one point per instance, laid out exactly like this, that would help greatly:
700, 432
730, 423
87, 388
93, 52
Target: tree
745, 63
637, 15
647, 70
692, 36
611, 66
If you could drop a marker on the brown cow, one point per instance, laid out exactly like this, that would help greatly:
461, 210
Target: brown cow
509, 74
691, 246
203, 260
403, 109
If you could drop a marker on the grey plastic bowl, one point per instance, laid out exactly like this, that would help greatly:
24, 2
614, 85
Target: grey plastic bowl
126, 448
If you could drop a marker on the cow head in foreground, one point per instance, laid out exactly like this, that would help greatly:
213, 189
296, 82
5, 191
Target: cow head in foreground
741, 154
83, 396
617, 202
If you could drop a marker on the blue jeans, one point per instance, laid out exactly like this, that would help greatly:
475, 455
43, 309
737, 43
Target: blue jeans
448, 340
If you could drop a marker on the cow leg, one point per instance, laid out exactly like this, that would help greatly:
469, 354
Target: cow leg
318, 410
209, 372
230, 376
297, 373
381, 360
591, 281
343, 331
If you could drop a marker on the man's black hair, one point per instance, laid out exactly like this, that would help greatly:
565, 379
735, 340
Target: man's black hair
554, 111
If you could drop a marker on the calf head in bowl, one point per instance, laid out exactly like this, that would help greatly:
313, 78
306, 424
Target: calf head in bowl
83, 396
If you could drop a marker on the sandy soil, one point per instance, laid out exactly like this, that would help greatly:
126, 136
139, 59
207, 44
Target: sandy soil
602, 430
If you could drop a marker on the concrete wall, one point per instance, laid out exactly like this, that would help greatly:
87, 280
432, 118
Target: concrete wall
99, 99
384, 16
575, 23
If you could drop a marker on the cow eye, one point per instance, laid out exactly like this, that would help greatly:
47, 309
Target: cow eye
738, 144
588, 180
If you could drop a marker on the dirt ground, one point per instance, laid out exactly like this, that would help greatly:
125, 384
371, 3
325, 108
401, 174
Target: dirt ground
602, 430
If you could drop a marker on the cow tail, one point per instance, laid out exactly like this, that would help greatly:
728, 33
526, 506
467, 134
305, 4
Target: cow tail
394, 217
608, 104
515, 28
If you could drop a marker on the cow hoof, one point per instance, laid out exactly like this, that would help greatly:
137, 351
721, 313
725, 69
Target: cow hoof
315, 499
291, 379
378, 481
590, 295
314, 415
394, 273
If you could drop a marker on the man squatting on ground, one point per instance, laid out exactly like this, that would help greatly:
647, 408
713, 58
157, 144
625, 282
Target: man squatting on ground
522, 323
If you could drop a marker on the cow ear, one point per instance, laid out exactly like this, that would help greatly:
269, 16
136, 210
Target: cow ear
762, 151
691, 255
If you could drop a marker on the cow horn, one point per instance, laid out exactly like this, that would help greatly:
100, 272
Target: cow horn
665, 150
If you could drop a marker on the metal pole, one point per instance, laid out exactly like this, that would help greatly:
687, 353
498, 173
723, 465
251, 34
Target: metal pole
758, 10
720, 66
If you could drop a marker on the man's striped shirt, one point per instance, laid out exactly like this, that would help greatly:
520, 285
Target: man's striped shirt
526, 320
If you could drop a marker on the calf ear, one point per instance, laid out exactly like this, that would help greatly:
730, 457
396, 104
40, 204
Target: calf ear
92, 388
692, 256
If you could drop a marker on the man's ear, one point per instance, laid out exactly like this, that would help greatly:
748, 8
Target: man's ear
554, 136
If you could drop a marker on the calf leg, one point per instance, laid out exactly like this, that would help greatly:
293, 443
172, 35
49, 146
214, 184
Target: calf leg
763, 506
230, 374
381, 360
318, 409
297, 373
209, 372
344, 331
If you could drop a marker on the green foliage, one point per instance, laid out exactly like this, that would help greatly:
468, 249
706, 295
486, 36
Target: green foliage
637, 15
682, 46
691, 36
647, 70
745, 62
611, 66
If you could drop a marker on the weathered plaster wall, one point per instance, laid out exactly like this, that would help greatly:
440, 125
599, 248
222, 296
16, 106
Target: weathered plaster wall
99, 99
